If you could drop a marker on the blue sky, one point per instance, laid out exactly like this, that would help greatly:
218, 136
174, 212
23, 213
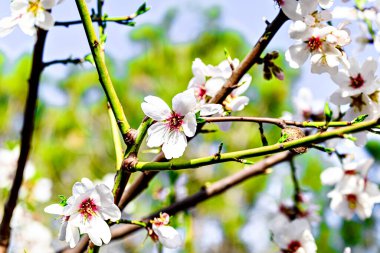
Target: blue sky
245, 16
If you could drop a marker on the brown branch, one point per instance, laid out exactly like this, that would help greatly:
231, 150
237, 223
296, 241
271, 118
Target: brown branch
251, 59
26, 138
142, 181
208, 192
202, 195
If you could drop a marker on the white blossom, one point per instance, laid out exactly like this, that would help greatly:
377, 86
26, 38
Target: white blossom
356, 79
323, 45
295, 237
353, 193
8, 165
359, 198
28, 234
86, 212
173, 126
167, 235
28, 14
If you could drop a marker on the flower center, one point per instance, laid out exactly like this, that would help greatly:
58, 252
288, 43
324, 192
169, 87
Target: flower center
293, 246
352, 201
88, 208
175, 121
314, 43
357, 82
201, 92
34, 7
350, 172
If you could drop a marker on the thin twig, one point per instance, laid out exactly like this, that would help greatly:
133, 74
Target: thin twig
262, 135
127, 20
63, 61
251, 59
26, 138
297, 189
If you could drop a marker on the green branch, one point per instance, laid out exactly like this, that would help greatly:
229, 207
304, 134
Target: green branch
123, 174
279, 122
116, 138
104, 77
266, 150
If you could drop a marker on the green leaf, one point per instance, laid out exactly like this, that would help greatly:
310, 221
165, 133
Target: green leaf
324, 149
283, 138
328, 113
63, 201
373, 147
349, 137
142, 9
199, 118
89, 58
359, 118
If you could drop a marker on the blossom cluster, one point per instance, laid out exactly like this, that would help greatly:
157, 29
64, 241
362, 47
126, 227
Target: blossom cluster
353, 193
172, 127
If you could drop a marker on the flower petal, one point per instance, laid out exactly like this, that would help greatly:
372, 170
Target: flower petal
54, 209
7, 25
155, 108
174, 145
44, 20
189, 124
184, 102
26, 24
168, 236
210, 109
156, 134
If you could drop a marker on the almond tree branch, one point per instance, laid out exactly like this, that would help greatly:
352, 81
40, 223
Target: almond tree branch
208, 192
104, 77
278, 122
205, 193
265, 150
63, 61
26, 138
252, 58
126, 20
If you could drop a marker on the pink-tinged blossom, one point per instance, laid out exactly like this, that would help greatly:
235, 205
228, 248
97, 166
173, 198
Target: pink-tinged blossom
295, 237
356, 79
173, 126
167, 235
28, 14
67, 231
86, 212
203, 79
323, 45
349, 172
353, 193
359, 198
208, 80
